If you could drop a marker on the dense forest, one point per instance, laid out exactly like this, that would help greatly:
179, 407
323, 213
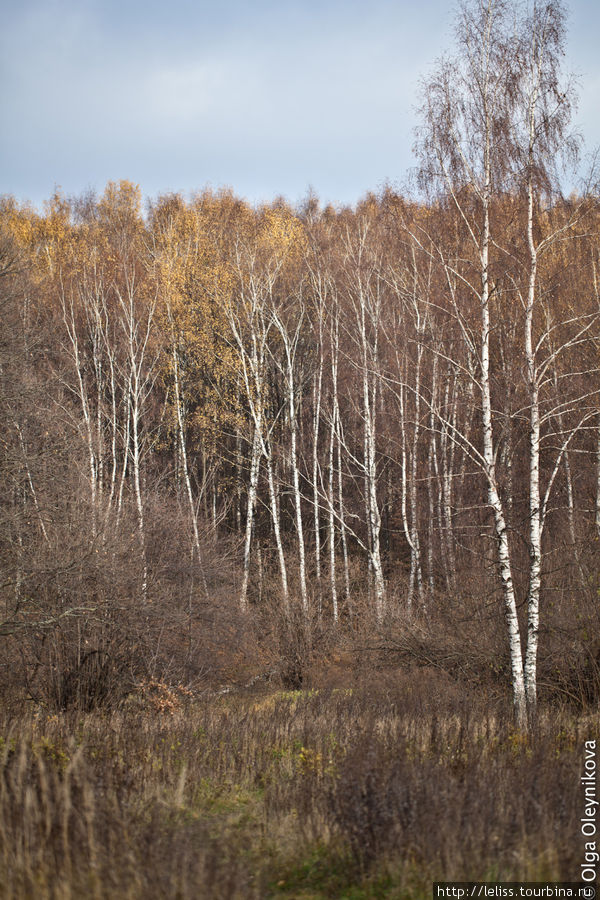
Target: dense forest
295, 443
216, 406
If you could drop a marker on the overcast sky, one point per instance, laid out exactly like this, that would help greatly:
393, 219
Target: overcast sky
267, 97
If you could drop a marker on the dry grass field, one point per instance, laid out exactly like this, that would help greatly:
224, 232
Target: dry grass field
372, 790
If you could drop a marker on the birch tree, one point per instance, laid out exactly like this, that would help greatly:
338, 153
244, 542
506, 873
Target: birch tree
464, 146
364, 284
496, 120
541, 139
290, 338
261, 251
136, 302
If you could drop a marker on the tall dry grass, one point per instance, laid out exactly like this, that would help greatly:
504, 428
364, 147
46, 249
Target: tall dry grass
373, 790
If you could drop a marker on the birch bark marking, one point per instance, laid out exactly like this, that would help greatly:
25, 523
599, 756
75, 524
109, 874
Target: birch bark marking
330, 468
416, 576
546, 109
535, 535
333, 433
317, 393
319, 289
504, 560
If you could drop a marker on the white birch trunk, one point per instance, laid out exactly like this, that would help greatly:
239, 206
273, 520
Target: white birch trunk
332, 565
290, 344
135, 460
126, 450
71, 326
252, 495
501, 533
369, 385
275, 517
535, 530
342, 518
317, 392
415, 567
448, 456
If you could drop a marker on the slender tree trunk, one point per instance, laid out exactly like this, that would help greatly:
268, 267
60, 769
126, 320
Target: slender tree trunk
317, 391
252, 494
296, 479
501, 532
535, 530
135, 460
276, 519
431, 480
113, 437
126, 449
369, 385
341, 508
415, 567
185, 468
238, 479
448, 456
71, 326
330, 496
405, 493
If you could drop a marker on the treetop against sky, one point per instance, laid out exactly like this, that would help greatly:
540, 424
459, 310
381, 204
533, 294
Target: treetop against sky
268, 97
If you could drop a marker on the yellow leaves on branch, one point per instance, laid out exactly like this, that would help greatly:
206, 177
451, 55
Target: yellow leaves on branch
120, 207
192, 279
19, 225
281, 233
99, 256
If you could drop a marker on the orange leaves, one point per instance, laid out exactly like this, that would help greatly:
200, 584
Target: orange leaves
193, 279
120, 207
281, 233
18, 228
